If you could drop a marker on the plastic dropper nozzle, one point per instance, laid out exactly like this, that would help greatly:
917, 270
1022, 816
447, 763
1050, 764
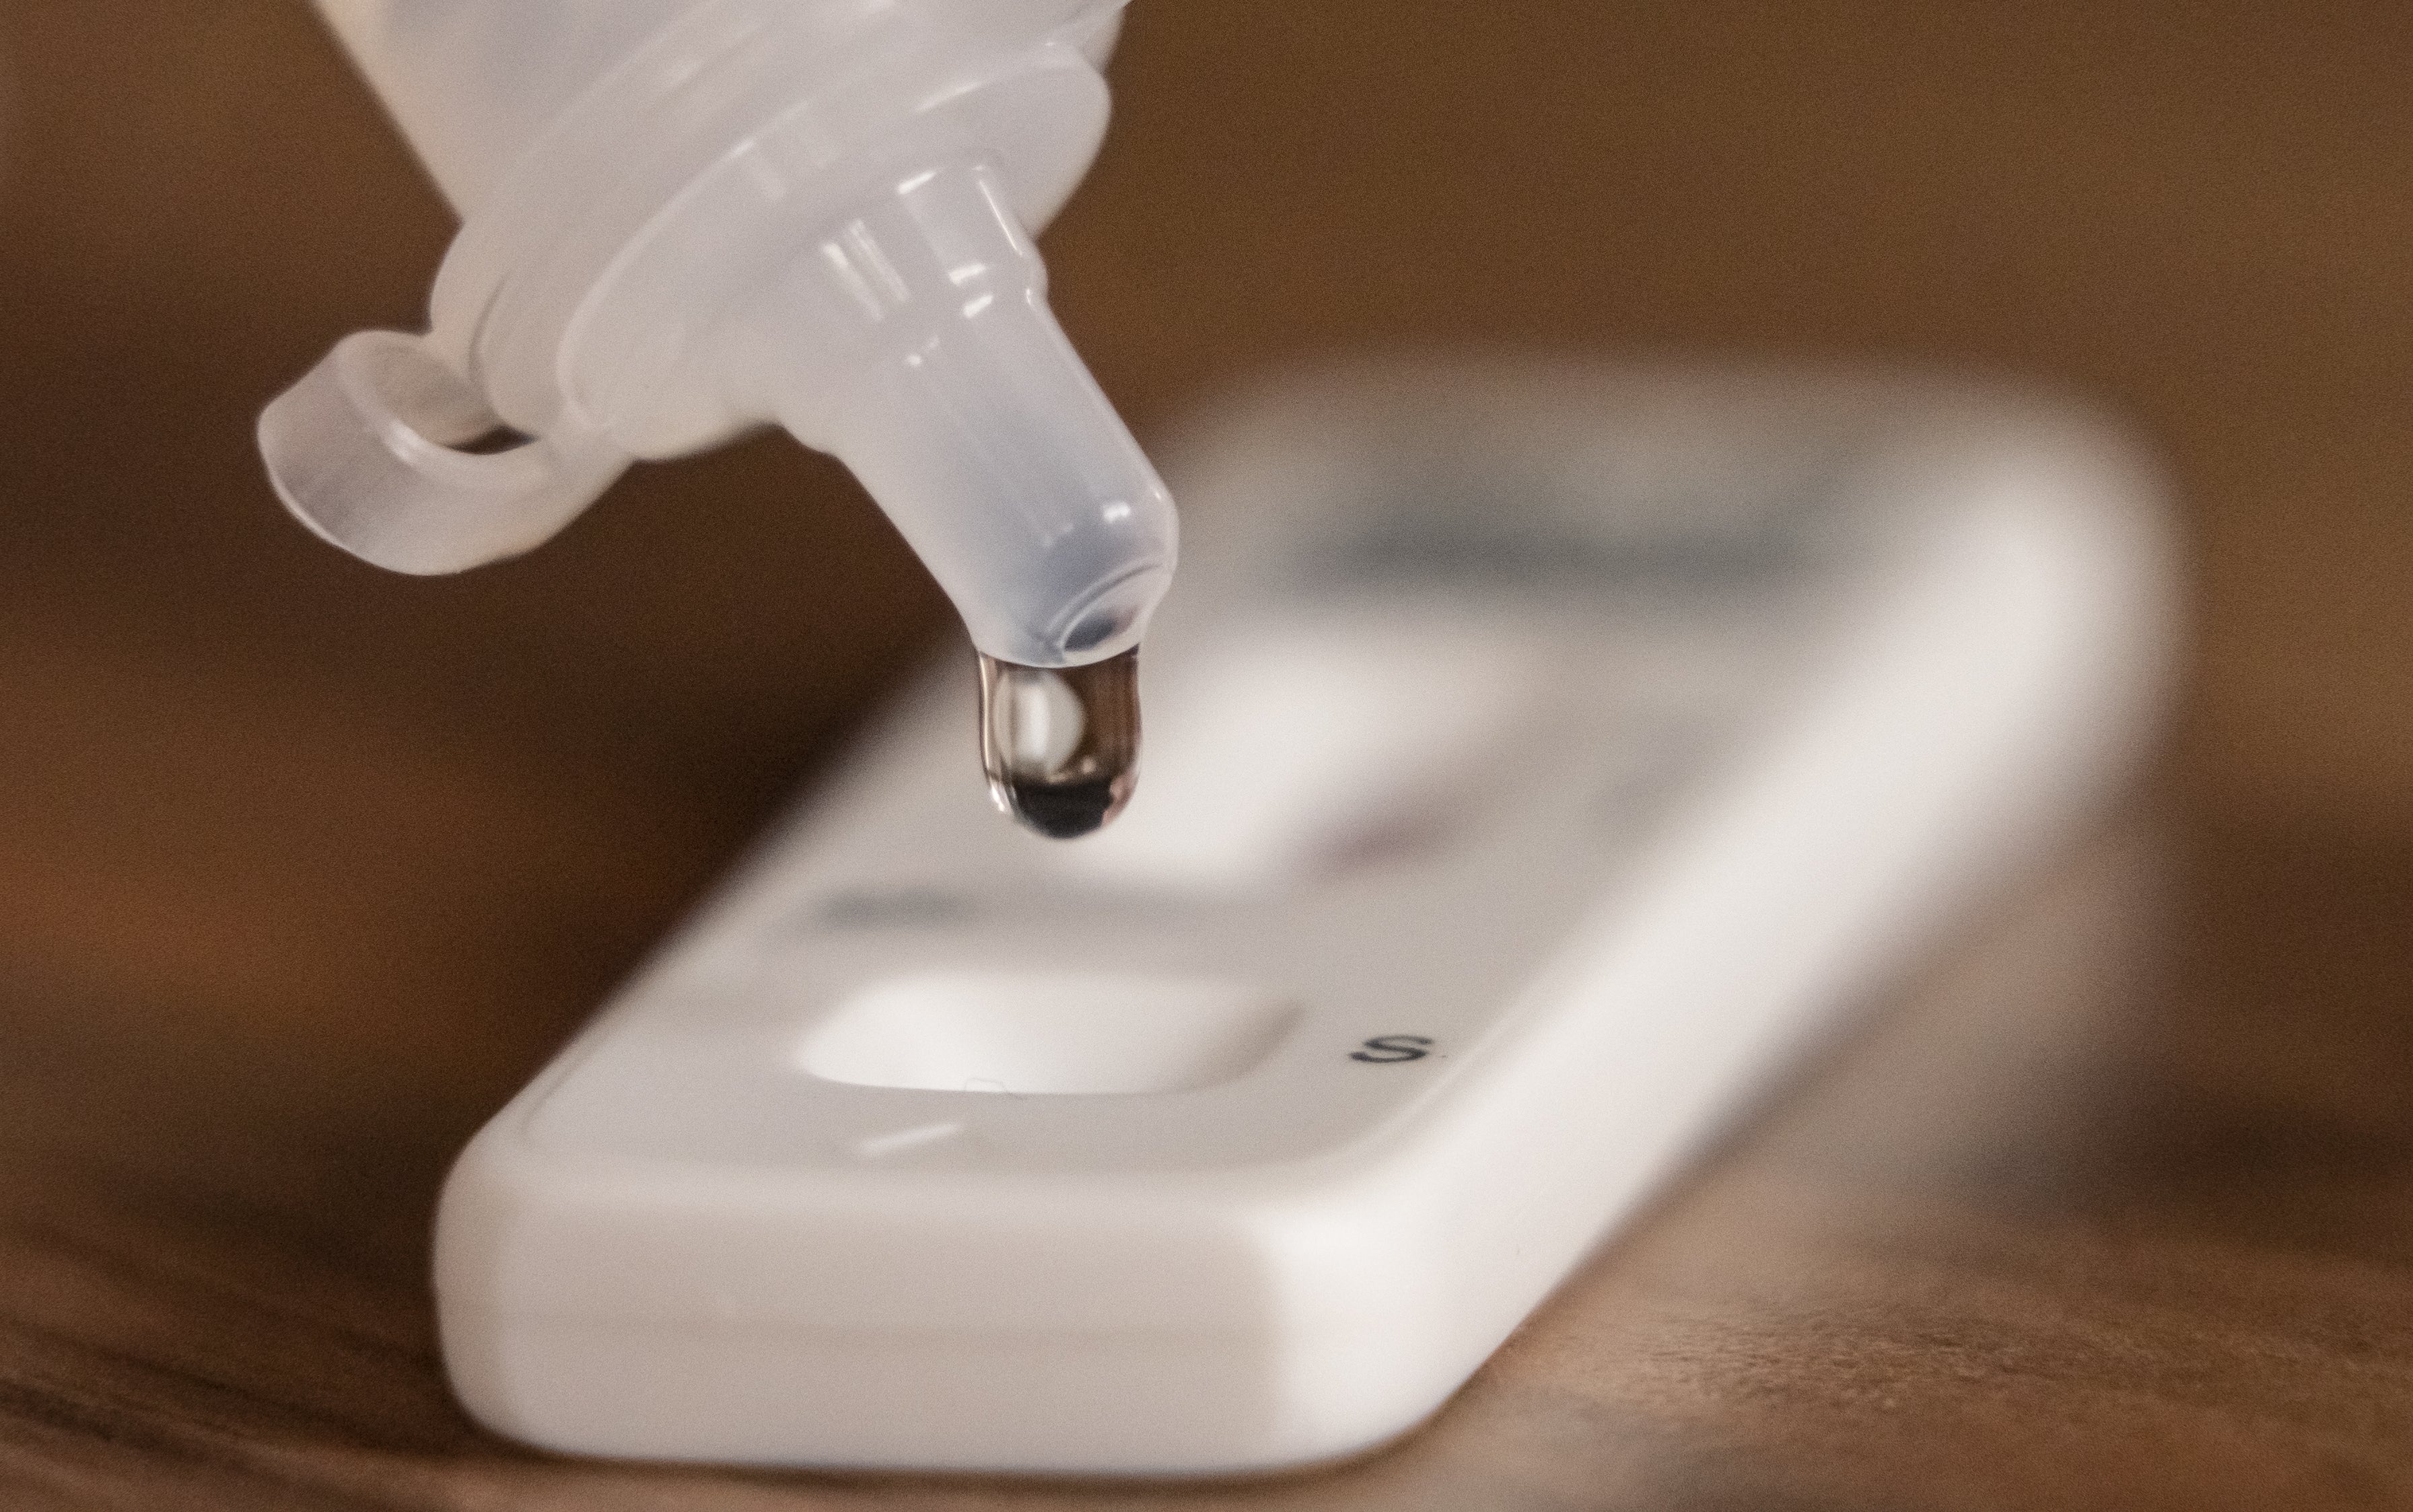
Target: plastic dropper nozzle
915, 342
945, 384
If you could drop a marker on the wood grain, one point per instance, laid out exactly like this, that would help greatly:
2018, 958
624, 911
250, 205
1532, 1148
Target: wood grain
304, 868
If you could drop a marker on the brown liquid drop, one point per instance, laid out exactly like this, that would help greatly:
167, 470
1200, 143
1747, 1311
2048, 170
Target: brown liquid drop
1060, 745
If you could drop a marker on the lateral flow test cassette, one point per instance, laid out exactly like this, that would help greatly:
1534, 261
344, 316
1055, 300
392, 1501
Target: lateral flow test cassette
1541, 756
1538, 760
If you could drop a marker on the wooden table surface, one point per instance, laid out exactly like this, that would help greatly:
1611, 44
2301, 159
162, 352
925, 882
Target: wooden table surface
304, 868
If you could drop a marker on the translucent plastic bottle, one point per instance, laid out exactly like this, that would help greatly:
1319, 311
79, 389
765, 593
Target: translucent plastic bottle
684, 218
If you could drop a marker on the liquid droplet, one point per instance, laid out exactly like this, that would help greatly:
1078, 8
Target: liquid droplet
1060, 745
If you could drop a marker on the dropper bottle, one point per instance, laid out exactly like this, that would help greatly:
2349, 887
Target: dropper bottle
686, 218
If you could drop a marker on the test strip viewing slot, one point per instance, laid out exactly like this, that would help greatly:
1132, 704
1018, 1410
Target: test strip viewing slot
1206, 1155
1293, 737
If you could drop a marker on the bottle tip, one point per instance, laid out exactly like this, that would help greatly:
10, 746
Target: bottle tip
1060, 745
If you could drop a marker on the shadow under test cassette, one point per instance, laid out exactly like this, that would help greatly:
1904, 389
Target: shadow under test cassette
1537, 755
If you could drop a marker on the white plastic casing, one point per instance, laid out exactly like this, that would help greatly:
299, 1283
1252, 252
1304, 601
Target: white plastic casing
1539, 757
684, 218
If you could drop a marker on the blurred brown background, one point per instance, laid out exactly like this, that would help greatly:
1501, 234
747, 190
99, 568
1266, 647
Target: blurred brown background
303, 867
